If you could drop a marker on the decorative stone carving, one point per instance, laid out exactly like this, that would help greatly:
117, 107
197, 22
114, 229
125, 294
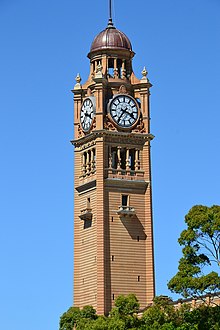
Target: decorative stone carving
98, 73
116, 75
126, 211
80, 132
78, 80
140, 128
108, 125
89, 92
144, 74
93, 126
122, 90
123, 74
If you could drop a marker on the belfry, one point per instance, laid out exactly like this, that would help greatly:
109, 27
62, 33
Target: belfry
113, 230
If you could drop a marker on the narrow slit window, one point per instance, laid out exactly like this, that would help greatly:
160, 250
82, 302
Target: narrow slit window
113, 258
88, 202
139, 278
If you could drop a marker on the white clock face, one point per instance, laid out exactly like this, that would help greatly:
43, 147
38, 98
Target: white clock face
87, 114
124, 111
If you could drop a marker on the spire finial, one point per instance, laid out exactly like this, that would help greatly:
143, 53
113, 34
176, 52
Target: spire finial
110, 9
110, 23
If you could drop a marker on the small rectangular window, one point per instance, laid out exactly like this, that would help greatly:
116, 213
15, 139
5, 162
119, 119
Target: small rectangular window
138, 278
138, 238
113, 258
112, 219
124, 200
113, 297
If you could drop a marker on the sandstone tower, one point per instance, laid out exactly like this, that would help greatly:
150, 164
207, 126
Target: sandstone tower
113, 230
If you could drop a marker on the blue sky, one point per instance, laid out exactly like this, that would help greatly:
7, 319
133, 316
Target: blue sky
43, 45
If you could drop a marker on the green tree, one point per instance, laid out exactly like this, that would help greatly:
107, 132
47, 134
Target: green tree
126, 305
116, 324
161, 315
197, 273
88, 312
76, 317
70, 318
126, 309
100, 323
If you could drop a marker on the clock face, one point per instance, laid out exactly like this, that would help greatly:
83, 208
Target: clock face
87, 114
124, 111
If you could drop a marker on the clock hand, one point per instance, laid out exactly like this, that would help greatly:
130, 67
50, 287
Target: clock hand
89, 115
120, 116
123, 112
130, 113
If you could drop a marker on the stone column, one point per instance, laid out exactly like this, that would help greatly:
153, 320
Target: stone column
110, 157
88, 163
123, 70
84, 162
128, 165
115, 68
136, 163
119, 158
93, 160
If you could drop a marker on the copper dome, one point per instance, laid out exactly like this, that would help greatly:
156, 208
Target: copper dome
110, 38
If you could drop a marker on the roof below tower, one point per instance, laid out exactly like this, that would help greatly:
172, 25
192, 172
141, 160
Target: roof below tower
110, 38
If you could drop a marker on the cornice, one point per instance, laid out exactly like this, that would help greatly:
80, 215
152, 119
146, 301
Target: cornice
141, 137
126, 185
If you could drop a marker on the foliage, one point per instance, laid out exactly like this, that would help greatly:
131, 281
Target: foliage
201, 252
127, 305
160, 316
126, 309
88, 312
69, 318
116, 324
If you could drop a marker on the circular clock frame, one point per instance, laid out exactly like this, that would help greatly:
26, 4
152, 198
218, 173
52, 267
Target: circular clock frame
123, 111
87, 113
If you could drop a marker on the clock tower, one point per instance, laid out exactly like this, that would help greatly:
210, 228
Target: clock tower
113, 230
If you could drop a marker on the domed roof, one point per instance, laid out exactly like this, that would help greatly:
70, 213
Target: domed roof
110, 38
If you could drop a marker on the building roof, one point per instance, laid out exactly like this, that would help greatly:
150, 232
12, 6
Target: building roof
110, 38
